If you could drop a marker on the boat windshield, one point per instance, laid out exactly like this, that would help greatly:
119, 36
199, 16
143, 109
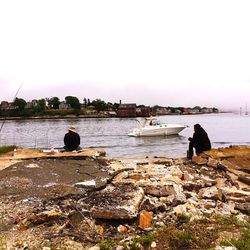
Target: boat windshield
152, 123
156, 122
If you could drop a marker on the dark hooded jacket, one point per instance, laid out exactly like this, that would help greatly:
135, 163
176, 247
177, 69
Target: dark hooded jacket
200, 140
71, 141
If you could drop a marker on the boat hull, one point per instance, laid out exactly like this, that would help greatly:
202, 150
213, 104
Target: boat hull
165, 130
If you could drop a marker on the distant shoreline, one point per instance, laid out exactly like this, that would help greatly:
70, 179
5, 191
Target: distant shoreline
85, 116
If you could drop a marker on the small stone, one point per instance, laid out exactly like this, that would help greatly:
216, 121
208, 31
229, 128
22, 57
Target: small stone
160, 223
94, 248
145, 220
225, 248
32, 166
153, 244
187, 176
120, 248
86, 184
122, 229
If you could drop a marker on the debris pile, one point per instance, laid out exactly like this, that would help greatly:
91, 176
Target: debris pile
132, 196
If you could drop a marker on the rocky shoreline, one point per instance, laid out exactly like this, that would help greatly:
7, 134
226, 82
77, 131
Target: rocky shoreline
87, 201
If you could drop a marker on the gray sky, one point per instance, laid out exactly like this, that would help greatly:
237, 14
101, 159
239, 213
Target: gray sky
171, 53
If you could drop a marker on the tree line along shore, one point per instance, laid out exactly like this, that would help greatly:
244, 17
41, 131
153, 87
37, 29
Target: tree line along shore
72, 107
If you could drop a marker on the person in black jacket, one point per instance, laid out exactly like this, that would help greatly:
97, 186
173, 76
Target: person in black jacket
200, 141
71, 140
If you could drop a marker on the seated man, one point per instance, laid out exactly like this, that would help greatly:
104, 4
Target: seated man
200, 141
71, 140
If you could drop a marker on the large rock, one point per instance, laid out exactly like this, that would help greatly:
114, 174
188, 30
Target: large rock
199, 160
121, 202
225, 209
194, 185
244, 179
226, 165
212, 193
236, 195
212, 162
243, 207
163, 189
189, 210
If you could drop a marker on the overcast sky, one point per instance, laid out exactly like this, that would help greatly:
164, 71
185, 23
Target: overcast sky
171, 53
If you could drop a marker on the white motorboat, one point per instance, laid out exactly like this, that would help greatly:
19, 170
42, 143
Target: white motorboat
153, 127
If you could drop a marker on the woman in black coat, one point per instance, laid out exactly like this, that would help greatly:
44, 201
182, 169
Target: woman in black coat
200, 141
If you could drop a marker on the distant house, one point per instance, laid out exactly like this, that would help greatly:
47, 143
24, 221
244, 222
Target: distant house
207, 110
31, 104
162, 111
112, 113
4, 105
126, 110
64, 105
143, 111
7, 106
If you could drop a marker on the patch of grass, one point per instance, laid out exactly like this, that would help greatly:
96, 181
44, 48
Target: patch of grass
6, 149
205, 220
181, 240
226, 220
147, 239
205, 233
241, 244
229, 222
134, 245
183, 218
106, 244
192, 235
141, 241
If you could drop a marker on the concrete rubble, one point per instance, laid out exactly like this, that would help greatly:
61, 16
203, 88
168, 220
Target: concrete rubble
214, 183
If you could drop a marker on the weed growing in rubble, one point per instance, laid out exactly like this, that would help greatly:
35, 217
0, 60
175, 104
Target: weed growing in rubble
140, 241
106, 245
181, 239
187, 234
147, 239
183, 218
241, 244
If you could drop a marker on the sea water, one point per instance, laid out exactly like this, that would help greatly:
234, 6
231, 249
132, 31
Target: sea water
223, 129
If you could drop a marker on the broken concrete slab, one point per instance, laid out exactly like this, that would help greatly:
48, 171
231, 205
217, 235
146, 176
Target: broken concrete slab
235, 194
235, 151
163, 189
24, 154
120, 202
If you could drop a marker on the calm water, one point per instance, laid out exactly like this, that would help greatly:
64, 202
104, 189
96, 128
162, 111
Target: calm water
111, 134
